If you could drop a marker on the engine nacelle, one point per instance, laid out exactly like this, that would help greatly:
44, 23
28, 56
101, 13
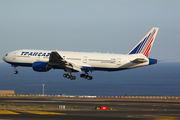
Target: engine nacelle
41, 66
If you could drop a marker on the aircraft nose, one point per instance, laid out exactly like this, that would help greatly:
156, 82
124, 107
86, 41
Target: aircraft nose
5, 57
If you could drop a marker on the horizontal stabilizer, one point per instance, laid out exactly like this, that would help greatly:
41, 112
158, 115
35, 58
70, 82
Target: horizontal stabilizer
139, 60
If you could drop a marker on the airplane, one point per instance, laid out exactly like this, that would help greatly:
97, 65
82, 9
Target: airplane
44, 60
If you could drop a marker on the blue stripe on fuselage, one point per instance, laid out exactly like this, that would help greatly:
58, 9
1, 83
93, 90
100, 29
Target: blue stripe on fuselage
84, 68
101, 69
21, 64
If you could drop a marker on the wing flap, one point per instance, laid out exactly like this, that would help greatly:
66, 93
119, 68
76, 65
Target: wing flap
56, 60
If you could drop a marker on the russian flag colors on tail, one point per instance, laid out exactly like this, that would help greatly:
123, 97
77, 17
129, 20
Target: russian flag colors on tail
144, 46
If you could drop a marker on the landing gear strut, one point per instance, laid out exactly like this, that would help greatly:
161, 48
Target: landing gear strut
86, 76
15, 72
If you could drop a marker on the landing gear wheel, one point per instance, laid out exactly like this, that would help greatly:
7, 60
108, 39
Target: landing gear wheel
64, 75
68, 76
71, 77
15, 72
74, 77
90, 77
82, 75
85, 76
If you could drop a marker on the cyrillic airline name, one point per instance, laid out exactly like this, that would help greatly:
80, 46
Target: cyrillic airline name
36, 54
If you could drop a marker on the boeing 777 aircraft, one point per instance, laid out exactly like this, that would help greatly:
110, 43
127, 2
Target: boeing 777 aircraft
44, 60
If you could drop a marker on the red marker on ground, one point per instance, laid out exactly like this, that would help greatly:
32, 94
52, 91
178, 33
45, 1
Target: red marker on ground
103, 107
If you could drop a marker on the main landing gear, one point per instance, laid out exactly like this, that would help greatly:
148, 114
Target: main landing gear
86, 76
15, 72
69, 76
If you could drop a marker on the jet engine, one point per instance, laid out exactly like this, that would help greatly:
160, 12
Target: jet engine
41, 66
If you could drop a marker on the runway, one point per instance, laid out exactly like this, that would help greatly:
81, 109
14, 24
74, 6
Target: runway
85, 109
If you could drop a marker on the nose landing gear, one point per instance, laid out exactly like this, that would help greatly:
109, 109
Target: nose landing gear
15, 72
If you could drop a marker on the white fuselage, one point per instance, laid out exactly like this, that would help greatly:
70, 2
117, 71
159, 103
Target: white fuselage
84, 60
43, 60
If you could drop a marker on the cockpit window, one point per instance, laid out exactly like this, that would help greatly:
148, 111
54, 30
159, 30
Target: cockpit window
6, 54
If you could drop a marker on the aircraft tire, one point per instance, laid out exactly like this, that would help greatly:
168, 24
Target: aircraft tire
82, 75
68, 76
85, 76
71, 77
15, 72
90, 77
64, 75
74, 77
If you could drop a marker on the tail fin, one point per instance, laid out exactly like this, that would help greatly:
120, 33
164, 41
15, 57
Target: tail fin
144, 46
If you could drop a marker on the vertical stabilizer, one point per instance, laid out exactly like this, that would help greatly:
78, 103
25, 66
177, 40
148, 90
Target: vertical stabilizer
144, 46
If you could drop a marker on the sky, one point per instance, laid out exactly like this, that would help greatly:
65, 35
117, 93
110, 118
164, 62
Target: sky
113, 26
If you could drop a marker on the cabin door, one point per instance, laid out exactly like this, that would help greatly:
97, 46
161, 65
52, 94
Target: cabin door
14, 56
118, 61
85, 59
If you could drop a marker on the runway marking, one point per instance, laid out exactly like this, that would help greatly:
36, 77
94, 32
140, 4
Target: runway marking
128, 104
162, 117
149, 109
42, 112
155, 116
122, 104
8, 112
102, 103
175, 105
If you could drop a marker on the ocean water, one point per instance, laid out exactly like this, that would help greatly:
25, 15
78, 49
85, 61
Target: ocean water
155, 80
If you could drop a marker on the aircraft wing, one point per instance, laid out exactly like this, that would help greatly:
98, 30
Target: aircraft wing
56, 60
